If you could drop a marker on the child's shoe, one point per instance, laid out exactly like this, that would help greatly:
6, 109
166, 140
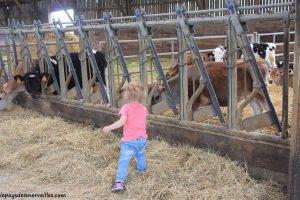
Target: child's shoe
118, 187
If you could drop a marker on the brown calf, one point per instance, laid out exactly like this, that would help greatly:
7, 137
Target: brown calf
276, 76
218, 75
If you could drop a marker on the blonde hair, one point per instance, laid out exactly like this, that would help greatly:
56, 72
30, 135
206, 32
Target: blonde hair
134, 91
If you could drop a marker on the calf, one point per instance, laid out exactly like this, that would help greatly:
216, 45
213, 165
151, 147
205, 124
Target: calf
218, 54
276, 75
218, 76
264, 51
189, 61
12, 88
189, 57
33, 78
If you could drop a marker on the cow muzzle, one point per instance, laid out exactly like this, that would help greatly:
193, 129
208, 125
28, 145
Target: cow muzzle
270, 81
36, 96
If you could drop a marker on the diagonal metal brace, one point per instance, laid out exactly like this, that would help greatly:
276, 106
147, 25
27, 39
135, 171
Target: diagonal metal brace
92, 59
145, 33
3, 68
44, 51
187, 31
25, 46
71, 68
111, 33
243, 41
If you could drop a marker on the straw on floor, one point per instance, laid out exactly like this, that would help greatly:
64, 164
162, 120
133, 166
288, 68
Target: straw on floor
48, 154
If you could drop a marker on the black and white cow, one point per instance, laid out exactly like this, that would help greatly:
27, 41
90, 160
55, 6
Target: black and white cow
279, 65
218, 54
33, 78
264, 51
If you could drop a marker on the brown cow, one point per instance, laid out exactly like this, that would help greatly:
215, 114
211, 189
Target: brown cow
12, 88
218, 75
189, 60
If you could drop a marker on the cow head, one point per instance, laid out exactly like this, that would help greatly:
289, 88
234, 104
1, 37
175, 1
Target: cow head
279, 65
32, 81
276, 76
218, 54
8, 92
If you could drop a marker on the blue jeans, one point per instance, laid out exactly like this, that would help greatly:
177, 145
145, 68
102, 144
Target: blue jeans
129, 149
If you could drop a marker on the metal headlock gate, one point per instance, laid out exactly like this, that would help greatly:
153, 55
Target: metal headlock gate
24, 51
86, 53
269, 117
114, 52
145, 45
186, 41
62, 52
186, 36
44, 55
261, 151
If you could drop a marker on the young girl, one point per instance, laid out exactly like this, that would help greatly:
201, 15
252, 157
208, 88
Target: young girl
133, 116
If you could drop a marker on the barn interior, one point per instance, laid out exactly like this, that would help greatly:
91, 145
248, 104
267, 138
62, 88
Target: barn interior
93, 110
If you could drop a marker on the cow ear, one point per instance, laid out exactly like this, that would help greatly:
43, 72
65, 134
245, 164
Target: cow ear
19, 78
44, 77
211, 55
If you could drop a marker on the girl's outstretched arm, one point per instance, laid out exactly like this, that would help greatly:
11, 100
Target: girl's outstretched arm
115, 125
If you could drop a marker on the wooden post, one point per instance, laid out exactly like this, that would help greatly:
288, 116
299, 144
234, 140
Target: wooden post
286, 62
294, 164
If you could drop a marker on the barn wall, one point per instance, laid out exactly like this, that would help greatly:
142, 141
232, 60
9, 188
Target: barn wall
91, 9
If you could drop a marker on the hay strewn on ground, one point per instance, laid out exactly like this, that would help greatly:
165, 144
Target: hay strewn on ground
48, 154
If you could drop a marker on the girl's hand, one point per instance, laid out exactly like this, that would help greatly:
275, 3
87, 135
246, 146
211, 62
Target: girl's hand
106, 129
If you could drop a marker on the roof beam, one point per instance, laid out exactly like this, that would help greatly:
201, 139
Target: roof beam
20, 7
61, 4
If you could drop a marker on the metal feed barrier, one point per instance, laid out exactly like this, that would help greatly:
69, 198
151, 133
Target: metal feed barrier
263, 152
186, 41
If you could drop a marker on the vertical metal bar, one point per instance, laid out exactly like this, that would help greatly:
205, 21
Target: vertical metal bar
61, 69
40, 56
143, 67
255, 38
254, 69
8, 56
3, 68
183, 75
111, 74
172, 50
84, 71
23, 56
286, 61
15, 54
231, 77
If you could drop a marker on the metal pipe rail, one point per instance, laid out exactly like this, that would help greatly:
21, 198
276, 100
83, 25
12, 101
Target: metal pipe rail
191, 21
152, 23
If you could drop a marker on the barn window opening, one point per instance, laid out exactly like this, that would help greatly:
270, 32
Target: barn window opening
61, 14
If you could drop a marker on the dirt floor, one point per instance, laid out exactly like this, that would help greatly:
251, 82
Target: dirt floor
48, 154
